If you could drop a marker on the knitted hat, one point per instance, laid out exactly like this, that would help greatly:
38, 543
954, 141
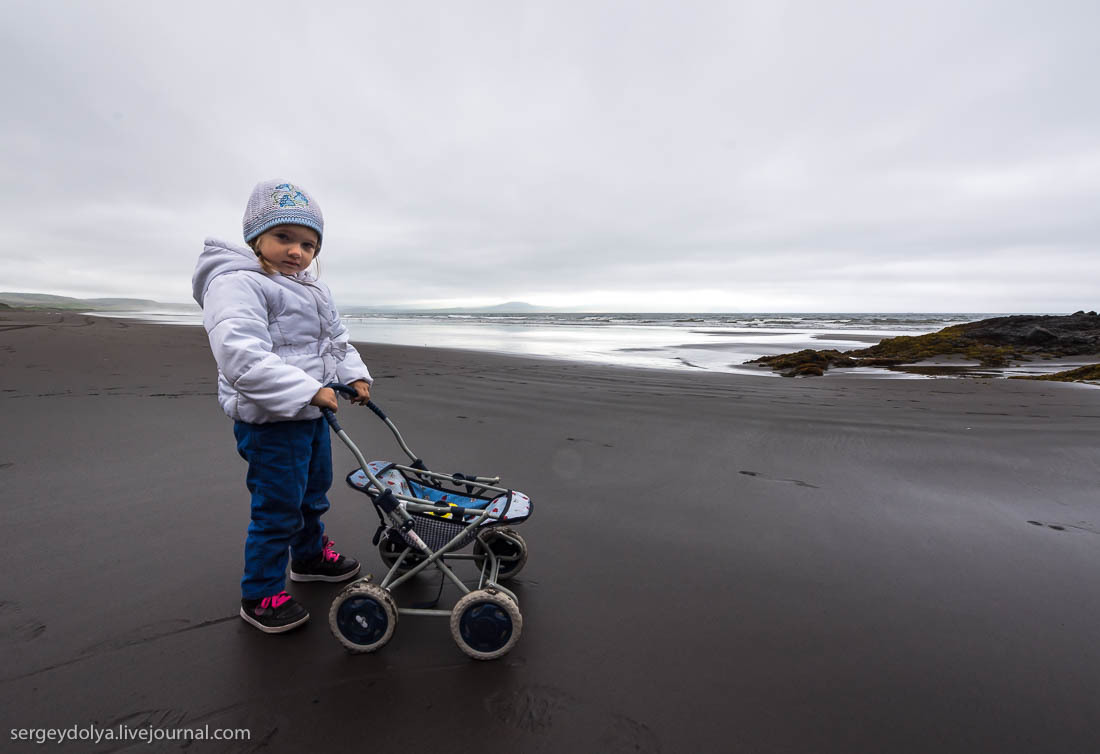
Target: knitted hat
278, 202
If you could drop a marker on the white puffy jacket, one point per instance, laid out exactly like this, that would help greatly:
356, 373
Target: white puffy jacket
277, 339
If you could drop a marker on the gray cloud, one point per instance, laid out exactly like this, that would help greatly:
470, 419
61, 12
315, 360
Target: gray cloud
750, 156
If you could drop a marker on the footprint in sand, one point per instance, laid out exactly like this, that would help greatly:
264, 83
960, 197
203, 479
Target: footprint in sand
16, 626
159, 718
581, 439
539, 709
798, 482
1063, 527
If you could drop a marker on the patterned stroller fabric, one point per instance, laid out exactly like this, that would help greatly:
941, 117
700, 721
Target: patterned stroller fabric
437, 529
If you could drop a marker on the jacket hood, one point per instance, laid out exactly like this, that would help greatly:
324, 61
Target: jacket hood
217, 258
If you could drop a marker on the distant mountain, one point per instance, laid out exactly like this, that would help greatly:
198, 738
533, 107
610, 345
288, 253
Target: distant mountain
512, 307
518, 306
377, 309
127, 302
49, 301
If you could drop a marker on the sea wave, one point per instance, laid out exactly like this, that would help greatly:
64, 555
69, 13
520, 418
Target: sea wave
832, 321
685, 340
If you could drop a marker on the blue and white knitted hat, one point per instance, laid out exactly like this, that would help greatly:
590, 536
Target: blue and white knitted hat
279, 202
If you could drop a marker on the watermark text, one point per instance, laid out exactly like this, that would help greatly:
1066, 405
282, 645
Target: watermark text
149, 734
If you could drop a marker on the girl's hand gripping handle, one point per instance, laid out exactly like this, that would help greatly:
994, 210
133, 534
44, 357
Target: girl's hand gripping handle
351, 392
328, 410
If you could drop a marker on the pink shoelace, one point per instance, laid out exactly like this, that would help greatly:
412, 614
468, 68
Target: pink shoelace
330, 554
275, 600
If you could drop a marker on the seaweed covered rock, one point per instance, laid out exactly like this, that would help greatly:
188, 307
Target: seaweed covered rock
950, 341
994, 342
808, 362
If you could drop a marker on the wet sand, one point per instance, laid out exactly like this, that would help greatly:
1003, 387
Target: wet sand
718, 562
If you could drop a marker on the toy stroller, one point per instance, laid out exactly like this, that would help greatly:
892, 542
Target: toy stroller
425, 519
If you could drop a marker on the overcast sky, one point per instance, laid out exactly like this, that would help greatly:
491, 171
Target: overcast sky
642, 156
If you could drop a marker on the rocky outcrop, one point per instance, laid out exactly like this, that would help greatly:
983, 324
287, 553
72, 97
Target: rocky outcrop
1069, 336
991, 342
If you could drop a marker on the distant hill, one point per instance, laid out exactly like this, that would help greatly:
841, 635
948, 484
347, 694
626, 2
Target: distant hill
49, 301
512, 307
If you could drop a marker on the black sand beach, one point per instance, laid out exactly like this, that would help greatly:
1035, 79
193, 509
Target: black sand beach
718, 562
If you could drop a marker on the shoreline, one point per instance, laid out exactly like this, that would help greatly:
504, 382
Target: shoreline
856, 565
935, 368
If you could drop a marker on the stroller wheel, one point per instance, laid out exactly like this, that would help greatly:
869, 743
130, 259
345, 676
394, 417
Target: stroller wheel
486, 624
509, 547
390, 551
363, 617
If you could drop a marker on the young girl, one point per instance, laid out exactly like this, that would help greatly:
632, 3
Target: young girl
277, 340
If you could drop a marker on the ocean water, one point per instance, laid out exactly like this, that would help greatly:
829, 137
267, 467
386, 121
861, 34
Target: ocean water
694, 342
710, 342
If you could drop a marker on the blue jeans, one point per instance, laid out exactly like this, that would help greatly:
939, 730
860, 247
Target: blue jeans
289, 472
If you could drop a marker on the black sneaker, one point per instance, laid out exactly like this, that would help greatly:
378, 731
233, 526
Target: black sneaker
328, 566
274, 614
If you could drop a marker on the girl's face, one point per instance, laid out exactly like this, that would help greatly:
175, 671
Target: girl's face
288, 248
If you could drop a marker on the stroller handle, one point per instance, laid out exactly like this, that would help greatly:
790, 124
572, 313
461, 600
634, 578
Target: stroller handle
350, 392
342, 388
328, 413
330, 416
